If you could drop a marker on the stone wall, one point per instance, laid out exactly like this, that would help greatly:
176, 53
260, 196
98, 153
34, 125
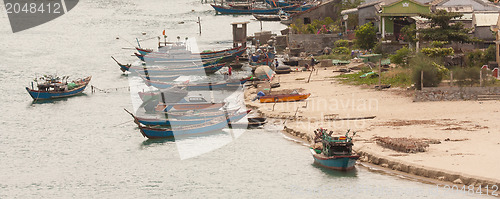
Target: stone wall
454, 93
312, 43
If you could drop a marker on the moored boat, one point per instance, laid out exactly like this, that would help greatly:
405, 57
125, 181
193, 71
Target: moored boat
251, 10
284, 98
53, 87
210, 126
334, 152
262, 17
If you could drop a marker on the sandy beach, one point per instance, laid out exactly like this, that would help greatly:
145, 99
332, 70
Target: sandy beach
465, 134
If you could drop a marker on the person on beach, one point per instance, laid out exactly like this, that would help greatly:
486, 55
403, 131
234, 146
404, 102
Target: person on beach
313, 62
276, 63
229, 71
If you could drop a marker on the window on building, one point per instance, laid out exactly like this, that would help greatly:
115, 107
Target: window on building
307, 20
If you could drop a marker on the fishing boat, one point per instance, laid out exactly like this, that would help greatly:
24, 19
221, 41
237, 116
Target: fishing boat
334, 152
197, 86
180, 71
197, 114
261, 17
189, 106
251, 10
174, 94
54, 87
168, 59
177, 121
205, 53
210, 126
284, 98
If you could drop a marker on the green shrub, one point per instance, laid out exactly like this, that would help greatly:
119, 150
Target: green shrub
478, 58
341, 50
437, 52
366, 36
401, 57
432, 75
467, 76
438, 44
342, 43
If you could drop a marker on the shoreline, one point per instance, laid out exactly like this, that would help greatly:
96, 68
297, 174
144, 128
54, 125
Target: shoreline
301, 120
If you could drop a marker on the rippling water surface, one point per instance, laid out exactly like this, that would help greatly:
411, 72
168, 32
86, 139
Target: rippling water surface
87, 146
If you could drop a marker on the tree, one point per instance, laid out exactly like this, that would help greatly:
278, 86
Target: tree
442, 30
366, 36
410, 33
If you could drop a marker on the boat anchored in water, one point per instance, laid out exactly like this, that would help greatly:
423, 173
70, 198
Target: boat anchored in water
333, 152
52, 87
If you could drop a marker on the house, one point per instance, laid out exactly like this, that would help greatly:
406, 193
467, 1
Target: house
397, 14
482, 22
372, 12
465, 7
319, 12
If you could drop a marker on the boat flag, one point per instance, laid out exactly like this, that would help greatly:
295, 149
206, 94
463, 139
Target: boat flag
163, 32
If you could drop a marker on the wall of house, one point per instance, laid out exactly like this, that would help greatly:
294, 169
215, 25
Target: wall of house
331, 10
484, 33
367, 13
312, 43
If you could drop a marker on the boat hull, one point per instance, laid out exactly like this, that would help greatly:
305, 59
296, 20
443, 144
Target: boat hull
342, 163
283, 98
46, 95
228, 10
159, 133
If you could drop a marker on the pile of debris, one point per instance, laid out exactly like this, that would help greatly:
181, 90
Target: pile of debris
406, 145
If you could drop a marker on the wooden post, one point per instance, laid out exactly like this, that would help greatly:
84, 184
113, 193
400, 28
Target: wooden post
310, 75
481, 78
380, 72
260, 25
199, 24
451, 78
421, 79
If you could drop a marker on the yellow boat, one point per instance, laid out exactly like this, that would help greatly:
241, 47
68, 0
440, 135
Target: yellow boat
284, 98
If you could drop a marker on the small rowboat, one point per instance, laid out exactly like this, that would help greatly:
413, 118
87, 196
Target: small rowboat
212, 125
53, 90
284, 98
267, 17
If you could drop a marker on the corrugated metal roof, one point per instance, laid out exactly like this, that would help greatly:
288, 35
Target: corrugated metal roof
477, 5
485, 19
349, 11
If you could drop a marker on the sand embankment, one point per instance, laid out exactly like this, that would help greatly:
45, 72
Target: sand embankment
472, 127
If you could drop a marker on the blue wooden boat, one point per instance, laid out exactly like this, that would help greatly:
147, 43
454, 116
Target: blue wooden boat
54, 90
143, 51
210, 126
162, 78
197, 114
162, 59
177, 121
336, 152
179, 65
276, 3
196, 86
251, 10
180, 71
